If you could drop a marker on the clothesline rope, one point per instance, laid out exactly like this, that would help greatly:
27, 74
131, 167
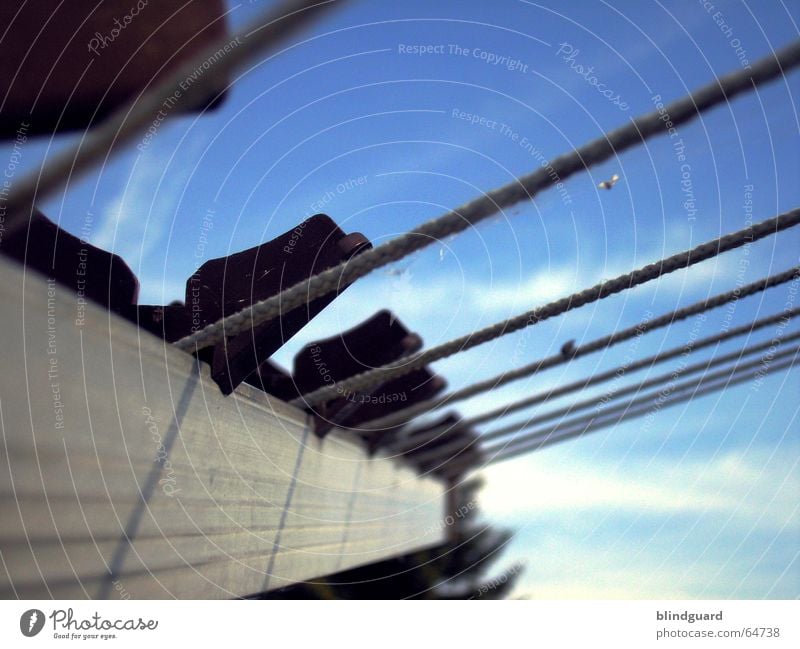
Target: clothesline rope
404, 416
641, 407
599, 403
613, 416
361, 383
644, 363
524, 188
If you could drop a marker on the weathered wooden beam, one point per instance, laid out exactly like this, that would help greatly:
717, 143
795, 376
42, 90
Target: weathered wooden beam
125, 471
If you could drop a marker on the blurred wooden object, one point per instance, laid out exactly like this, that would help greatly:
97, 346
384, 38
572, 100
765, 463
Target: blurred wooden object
66, 65
125, 471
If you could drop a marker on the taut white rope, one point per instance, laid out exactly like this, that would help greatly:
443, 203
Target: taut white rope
599, 403
366, 380
405, 415
580, 426
638, 130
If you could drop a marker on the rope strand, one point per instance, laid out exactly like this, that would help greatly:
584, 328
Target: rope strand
735, 378
362, 382
633, 367
638, 130
404, 416
703, 366
577, 429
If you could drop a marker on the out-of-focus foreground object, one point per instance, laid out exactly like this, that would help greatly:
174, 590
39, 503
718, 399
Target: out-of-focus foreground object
66, 65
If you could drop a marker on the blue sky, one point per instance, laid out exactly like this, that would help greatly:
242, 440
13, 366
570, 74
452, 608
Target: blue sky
703, 503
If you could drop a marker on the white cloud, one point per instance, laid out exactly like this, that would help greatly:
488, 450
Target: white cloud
135, 220
593, 529
543, 286
733, 484
570, 569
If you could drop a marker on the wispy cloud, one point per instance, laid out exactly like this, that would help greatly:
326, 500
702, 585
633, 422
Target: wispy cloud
135, 220
731, 484
543, 286
664, 530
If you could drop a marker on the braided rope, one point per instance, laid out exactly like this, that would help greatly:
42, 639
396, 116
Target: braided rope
524, 188
610, 418
578, 426
366, 380
404, 416
633, 367
594, 402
